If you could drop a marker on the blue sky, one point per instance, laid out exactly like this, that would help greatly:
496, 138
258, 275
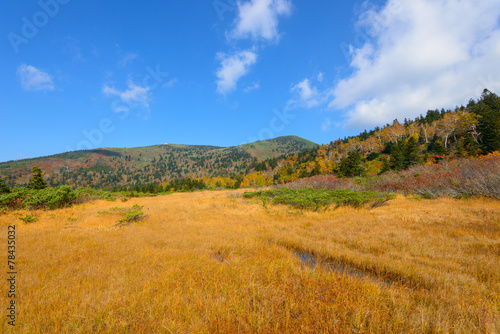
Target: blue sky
88, 74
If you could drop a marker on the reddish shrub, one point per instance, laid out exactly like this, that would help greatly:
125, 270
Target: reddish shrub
323, 182
456, 178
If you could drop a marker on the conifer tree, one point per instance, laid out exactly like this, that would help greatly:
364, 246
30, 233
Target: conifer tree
488, 107
436, 146
3, 188
411, 153
352, 165
397, 160
36, 182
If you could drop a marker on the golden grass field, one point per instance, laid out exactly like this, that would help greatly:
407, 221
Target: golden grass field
213, 262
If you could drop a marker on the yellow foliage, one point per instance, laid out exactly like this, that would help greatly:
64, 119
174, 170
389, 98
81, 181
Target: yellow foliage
218, 182
373, 167
257, 179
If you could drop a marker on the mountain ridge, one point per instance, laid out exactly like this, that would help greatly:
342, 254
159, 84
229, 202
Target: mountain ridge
111, 167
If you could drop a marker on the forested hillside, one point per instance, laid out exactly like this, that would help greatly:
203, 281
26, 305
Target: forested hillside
439, 135
152, 167
468, 131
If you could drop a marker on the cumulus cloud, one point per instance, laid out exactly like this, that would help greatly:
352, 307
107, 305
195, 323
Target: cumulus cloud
253, 86
127, 59
326, 124
232, 68
306, 95
320, 76
34, 79
133, 97
258, 19
420, 55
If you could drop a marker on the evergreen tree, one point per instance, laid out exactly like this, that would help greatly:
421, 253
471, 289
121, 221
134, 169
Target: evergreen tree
3, 188
352, 165
488, 107
397, 160
467, 146
36, 182
436, 146
411, 152
386, 166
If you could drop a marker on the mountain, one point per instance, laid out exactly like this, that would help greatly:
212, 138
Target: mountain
117, 167
466, 132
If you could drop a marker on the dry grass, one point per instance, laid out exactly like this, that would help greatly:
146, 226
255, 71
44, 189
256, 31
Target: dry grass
212, 262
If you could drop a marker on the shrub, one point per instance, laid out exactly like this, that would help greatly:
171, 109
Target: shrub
29, 219
457, 179
14, 199
317, 199
51, 198
88, 194
330, 182
134, 213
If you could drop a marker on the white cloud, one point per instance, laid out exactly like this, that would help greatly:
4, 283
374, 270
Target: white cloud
306, 95
128, 58
258, 19
133, 97
34, 79
253, 86
320, 77
423, 54
169, 83
232, 68
326, 124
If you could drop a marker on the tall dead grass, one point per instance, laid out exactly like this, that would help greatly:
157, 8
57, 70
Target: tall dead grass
212, 262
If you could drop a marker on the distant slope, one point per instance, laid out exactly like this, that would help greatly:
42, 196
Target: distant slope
273, 148
116, 167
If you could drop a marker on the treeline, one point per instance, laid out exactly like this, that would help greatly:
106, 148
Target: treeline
469, 131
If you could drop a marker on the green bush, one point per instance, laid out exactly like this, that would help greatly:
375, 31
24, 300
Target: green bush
29, 219
62, 196
15, 198
316, 199
50, 198
93, 194
131, 194
135, 213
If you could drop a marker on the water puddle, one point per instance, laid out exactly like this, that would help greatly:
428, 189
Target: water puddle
313, 262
